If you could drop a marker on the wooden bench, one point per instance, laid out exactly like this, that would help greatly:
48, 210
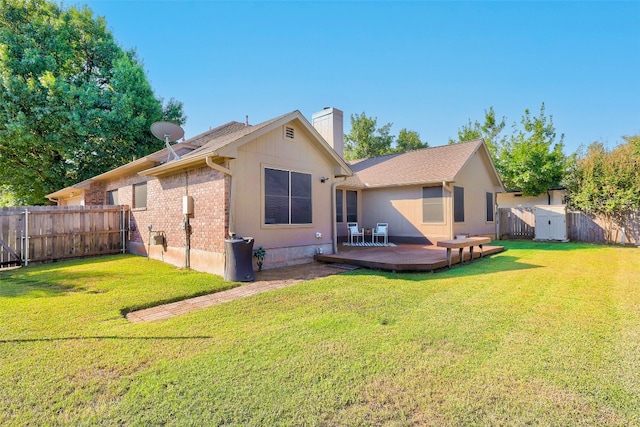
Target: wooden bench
460, 244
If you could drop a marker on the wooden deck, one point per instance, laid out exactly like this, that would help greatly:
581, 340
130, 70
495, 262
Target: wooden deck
403, 257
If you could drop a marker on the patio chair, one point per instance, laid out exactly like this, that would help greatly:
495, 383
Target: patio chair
381, 230
353, 229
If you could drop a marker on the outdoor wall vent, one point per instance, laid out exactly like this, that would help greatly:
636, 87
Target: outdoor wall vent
289, 132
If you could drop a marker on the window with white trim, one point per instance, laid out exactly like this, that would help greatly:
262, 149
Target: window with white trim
287, 197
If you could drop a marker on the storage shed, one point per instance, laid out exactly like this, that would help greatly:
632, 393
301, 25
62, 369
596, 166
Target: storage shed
551, 223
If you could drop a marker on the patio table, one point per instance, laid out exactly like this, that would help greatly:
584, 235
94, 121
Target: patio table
460, 244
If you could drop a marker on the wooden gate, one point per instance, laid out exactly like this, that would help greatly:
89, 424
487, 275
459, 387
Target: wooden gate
38, 234
516, 223
10, 241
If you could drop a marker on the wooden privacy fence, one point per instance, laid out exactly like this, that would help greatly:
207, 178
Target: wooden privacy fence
516, 223
38, 234
519, 223
584, 228
588, 228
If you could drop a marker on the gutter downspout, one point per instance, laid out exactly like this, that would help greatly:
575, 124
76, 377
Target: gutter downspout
450, 216
334, 226
232, 199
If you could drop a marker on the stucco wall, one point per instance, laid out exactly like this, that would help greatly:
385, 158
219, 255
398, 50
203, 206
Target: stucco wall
477, 181
401, 208
517, 200
285, 244
76, 200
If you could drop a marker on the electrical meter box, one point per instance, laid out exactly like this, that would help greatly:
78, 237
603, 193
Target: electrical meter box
187, 205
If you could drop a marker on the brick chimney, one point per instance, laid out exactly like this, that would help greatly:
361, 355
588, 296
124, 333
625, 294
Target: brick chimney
329, 124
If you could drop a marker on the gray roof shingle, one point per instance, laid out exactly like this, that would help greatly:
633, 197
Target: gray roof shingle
427, 165
218, 132
226, 134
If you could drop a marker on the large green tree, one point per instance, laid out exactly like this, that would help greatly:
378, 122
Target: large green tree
409, 140
606, 183
366, 139
490, 131
635, 141
73, 103
530, 159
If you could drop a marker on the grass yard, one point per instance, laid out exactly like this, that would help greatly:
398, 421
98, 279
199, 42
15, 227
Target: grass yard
541, 334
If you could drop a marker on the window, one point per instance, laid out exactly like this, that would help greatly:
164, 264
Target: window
432, 204
458, 204
489, 207
112, 197
352, 206
339, 206
287, 197
140, 195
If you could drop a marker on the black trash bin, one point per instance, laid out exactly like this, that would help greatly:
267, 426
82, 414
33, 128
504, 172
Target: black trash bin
239, 259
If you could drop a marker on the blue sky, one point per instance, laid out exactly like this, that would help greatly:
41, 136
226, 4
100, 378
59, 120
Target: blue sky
425, 66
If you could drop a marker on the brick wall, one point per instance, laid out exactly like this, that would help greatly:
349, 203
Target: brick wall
210, 191
209, 223
95, 195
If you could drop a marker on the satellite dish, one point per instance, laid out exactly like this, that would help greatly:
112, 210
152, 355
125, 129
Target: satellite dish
168, 132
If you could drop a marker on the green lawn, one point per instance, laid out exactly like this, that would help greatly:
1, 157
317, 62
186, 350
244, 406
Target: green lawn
542, 334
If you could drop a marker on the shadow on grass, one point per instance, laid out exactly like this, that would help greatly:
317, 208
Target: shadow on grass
546, 246
106, 337
480, 266
53, 279
18, 285
71, 262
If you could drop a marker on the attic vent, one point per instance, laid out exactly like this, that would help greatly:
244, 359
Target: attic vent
288, 132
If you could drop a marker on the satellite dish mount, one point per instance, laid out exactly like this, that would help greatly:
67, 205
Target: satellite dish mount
168, 132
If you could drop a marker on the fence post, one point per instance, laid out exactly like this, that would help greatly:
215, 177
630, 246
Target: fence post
122, 232
26, 238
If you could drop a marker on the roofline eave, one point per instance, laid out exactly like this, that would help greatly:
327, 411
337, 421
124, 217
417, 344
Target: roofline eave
365, 186
179, 165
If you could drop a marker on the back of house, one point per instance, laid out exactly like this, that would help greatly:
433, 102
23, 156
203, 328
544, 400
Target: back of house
284, 184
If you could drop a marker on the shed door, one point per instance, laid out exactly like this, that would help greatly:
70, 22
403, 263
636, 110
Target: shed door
551, 222
543, 224
558, 227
